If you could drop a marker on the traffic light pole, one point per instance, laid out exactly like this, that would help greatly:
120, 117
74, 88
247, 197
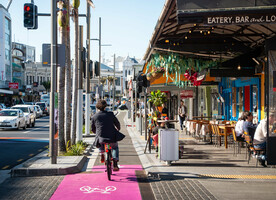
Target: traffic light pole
114, 87
53, 150
87, 83
80, 90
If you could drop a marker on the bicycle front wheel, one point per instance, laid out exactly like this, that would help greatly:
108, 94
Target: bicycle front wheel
109, 165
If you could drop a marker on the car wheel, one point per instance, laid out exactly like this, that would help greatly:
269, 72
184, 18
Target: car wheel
18, 126
29, 125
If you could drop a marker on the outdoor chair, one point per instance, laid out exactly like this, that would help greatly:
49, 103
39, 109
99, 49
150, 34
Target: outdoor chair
237, 144
251, 149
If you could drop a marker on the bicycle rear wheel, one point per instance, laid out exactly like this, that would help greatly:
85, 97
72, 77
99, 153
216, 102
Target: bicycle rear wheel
109, 165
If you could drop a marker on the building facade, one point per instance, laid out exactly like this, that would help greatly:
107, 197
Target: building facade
5, 48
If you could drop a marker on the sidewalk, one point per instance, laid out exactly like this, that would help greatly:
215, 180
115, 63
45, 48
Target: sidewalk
205, 172
40, 165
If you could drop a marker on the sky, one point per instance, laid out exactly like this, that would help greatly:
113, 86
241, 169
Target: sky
127, 25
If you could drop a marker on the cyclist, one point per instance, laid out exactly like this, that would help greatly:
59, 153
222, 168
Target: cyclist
105, 125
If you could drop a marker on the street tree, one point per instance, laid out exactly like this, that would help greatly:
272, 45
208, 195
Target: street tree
75, 12
68, 83
63, 20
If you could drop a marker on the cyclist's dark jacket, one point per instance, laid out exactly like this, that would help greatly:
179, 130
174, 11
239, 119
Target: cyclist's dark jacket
103, 124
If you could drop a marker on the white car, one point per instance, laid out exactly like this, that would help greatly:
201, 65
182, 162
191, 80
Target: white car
28, 114
12, 118
39, 112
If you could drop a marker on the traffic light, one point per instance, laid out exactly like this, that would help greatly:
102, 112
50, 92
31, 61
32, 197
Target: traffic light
30, 16
97, 68
91, 69
146, 82
139, 83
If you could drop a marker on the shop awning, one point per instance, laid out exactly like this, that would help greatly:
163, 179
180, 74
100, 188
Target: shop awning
221, 29
2, 91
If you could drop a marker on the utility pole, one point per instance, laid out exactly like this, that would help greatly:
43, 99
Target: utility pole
87, 88
80, 90
53, 150
114, 87
100, 54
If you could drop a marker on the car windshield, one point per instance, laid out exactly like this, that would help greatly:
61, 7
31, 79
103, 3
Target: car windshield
41, 104
29, 103
8, 113
24, 109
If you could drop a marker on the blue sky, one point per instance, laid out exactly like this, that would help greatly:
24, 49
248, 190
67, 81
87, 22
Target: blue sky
126, 24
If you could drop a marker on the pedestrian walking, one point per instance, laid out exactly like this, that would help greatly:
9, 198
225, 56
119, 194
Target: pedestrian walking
182, 110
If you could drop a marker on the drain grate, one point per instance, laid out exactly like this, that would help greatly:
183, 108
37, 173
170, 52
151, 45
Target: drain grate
180, 189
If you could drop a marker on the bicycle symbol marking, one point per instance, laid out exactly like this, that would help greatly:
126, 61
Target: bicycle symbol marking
107, 190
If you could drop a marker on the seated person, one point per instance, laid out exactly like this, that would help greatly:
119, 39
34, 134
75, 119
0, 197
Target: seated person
239, 128
155, 133
164, 110
248, 126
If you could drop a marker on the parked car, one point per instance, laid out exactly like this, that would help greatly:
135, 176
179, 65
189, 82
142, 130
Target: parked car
39, 112
44, 107
12, 118
28, 114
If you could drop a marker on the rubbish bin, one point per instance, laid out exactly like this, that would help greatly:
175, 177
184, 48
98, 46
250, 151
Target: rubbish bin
168, 145
138, 123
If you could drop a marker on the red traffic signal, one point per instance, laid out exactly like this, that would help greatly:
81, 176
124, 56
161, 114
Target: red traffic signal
30, 16
27, 8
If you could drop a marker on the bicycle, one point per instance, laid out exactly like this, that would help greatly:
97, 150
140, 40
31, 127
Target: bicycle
108, 161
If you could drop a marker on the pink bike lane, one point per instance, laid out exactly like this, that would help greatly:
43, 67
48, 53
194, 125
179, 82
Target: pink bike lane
123, 185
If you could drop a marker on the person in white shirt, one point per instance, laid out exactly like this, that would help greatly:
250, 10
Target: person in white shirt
239, 128
260, 134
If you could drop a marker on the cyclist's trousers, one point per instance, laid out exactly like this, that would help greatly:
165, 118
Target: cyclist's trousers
115, 150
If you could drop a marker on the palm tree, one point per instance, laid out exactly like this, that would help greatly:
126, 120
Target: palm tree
75, 12
63, 19
68, 84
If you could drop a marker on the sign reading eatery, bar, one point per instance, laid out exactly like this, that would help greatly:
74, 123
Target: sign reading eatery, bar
240, 19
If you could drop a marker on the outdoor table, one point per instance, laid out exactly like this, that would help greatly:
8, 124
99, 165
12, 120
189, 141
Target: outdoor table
227, 128
201, 117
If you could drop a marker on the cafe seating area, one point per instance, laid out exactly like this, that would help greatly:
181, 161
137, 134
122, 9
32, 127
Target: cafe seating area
220, 134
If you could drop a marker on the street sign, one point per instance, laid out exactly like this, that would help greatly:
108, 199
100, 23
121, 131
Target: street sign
46, 55
13, 85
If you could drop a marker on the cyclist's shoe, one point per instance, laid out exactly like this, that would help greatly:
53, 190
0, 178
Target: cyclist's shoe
115, 166
102, 158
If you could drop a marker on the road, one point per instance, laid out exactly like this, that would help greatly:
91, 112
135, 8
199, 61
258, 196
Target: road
16, 146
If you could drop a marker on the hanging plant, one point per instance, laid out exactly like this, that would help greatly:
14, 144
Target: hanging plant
157, 98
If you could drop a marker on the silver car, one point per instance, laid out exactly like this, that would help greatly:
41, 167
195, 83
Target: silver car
28, 114
12, 118
39, 112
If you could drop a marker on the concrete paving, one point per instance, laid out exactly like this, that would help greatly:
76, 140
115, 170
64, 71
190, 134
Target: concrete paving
205, 172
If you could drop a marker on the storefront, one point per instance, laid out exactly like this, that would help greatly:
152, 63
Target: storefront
227, 38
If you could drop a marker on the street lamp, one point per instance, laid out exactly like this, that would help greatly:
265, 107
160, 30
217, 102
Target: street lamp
100, 52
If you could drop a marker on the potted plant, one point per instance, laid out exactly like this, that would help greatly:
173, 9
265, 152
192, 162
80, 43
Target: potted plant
157, 98
157, 72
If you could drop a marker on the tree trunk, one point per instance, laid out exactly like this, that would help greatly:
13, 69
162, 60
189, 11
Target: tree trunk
61, 81
75, 79
63, 22
68, 86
